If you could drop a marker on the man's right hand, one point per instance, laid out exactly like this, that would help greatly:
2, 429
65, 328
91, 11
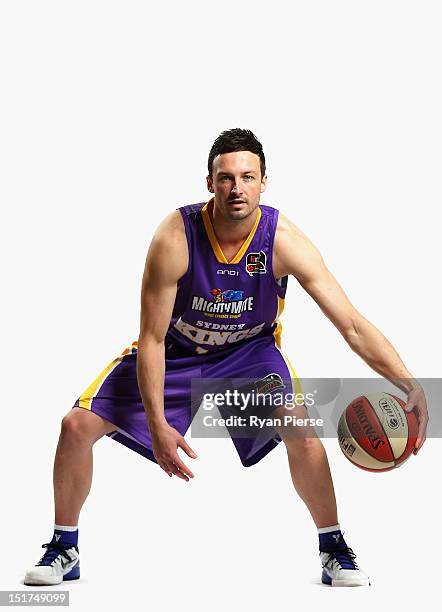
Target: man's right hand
165, 442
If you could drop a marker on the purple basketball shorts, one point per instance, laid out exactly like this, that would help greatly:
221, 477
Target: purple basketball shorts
114, 394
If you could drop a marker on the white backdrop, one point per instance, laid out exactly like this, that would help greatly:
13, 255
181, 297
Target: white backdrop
108, 112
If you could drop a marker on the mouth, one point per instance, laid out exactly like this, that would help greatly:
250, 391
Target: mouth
236, 202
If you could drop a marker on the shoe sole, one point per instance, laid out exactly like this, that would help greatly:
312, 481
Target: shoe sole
73, 574
346, 583
343, 583
36, 582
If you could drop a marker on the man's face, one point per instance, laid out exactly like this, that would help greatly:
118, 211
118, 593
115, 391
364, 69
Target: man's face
237, 184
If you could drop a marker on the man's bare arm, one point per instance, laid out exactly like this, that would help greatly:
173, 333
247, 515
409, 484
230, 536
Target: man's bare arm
295, 254
166, 263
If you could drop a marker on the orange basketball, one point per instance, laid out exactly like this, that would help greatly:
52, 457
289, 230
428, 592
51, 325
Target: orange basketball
375, 433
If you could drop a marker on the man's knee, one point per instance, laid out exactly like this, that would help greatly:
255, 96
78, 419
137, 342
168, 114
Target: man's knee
301, 444
299, 438
82, 426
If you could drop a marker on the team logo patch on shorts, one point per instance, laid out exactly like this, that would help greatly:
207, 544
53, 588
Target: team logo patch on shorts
268, 383
256, 263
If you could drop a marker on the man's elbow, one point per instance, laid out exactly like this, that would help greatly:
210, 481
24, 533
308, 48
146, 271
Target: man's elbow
149, 340
353, 332
352, 337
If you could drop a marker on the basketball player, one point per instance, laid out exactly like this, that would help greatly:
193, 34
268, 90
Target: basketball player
212, 292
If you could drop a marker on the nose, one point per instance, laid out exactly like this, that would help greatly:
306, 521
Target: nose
236, 188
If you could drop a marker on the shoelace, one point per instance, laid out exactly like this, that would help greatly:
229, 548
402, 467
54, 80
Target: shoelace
54, 549
344, 556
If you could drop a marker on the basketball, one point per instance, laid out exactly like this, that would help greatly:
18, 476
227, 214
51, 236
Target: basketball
375, 433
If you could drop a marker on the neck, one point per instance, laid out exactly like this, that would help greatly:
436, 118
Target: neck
231, 232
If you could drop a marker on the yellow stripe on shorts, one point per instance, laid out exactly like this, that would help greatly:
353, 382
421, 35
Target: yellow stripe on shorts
293, 375
88, 395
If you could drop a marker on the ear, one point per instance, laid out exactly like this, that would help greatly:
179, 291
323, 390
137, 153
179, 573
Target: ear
263, 183
210, 184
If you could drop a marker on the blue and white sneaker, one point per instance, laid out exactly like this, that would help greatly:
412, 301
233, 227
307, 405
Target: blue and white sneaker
57, 564
339, 567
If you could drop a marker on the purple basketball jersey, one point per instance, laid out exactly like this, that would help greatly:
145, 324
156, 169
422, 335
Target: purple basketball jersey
220, 304
224, 325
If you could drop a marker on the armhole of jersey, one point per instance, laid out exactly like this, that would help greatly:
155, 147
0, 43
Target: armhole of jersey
189, 247
281, 283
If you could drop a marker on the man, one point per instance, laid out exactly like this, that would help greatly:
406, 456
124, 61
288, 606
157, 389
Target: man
212, 292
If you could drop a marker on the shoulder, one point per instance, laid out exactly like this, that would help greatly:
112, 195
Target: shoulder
292, 250
286, 228
170, 235
168, 252
172, 226
288, 236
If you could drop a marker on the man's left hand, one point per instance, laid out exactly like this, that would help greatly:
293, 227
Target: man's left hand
417, 403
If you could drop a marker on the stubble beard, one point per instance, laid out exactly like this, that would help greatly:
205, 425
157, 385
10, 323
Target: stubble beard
237, 215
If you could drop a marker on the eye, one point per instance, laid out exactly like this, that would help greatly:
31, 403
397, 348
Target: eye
248, 176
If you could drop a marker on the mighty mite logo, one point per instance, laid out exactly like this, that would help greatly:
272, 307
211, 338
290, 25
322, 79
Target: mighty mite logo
224, 303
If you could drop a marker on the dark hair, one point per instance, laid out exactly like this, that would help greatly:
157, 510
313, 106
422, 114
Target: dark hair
236, 139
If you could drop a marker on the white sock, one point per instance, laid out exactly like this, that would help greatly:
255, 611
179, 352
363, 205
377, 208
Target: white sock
66, 527
328, 529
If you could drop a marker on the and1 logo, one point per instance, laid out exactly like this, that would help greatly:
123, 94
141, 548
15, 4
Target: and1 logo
256, 263
229, 272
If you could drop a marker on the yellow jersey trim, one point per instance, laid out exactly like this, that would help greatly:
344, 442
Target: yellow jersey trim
278, 330
214, 241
